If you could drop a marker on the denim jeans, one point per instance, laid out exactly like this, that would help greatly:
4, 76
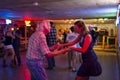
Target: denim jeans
37, 70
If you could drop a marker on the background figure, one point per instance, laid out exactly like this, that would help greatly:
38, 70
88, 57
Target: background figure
60, 36
94, 34
51, 40
64, 36
79, 54
16, 44
90, 65
38, 50
1, 44
8, 48
72, 54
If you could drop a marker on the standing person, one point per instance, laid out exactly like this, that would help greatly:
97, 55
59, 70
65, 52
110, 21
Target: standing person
60, 36
51, 40
8, 48
16, 44
90, 65
72, 54
64, 36
94, 34
38, 50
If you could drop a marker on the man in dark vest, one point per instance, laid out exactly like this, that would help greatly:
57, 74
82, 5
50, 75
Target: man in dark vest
16, 44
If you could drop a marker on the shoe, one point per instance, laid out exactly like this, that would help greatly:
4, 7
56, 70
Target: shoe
69, 67
49, 68
73, 70
53, 65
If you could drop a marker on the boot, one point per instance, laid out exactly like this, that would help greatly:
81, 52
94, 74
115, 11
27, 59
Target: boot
12, 64
4, 63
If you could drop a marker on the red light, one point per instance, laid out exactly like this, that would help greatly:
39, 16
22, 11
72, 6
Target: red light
35, 19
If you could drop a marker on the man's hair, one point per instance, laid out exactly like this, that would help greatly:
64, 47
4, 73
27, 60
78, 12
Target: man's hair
52, 24
72, 29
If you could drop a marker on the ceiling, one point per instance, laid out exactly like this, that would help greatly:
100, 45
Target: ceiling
58, 9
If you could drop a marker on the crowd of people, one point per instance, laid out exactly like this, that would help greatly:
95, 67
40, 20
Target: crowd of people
38, 49
45, 43
11, 46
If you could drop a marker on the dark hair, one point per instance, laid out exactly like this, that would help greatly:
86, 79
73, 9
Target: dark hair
72, 29
52, 24
33, 24
15, 25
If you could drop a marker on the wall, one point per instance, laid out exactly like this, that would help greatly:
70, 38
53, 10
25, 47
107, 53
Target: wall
107, 26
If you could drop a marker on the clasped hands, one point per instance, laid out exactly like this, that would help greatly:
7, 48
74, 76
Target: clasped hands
63, 47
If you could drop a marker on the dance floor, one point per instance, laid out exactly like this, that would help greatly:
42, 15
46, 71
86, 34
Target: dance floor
108, 60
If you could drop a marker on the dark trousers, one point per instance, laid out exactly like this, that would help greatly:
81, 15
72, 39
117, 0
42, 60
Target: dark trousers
51, 62
36, 69
17, 54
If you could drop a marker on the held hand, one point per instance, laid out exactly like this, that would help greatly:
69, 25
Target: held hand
56, 46
71, 47
22, 38
66, 50
59, 46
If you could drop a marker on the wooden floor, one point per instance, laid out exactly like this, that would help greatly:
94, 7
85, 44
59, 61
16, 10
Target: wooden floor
108, 60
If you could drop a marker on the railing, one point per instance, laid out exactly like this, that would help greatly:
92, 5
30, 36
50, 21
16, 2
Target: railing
23, 45
107, 43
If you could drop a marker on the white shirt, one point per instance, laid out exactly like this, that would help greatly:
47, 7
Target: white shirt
71, 37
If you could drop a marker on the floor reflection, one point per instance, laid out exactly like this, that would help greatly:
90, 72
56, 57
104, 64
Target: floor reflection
108, 60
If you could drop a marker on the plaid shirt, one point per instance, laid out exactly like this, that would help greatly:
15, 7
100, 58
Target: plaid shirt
51, 37
37, 46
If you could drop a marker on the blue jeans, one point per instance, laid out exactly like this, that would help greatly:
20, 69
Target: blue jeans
37, 70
